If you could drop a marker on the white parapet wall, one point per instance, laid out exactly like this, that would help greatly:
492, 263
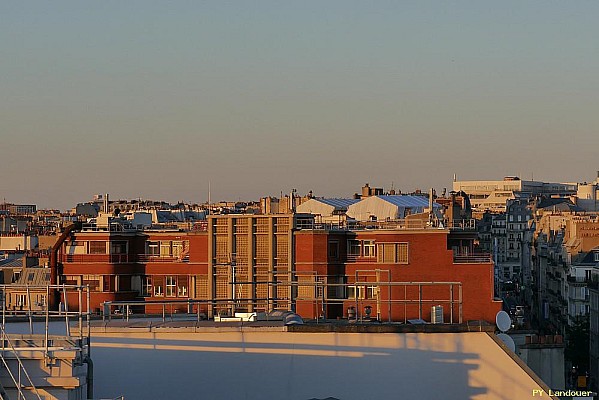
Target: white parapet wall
246, 364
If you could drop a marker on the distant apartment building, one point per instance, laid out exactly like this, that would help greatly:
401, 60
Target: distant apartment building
566, 253
259, 263
593, 289
587, 195
508, 236
18, 209
493, 195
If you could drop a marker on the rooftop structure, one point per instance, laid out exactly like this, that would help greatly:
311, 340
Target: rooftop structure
492, 195
284, 261
309, 362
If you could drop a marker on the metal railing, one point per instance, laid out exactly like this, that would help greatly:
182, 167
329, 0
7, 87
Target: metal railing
475, 258
399, 224
17, 381
407, 299
17, 302
148, 258
97, 258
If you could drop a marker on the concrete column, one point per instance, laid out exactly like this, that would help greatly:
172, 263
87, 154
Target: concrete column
211, 283
231, 249
271, 262
250, 251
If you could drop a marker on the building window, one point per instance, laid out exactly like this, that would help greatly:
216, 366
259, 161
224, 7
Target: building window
96, 247
182, 287
158, 286
165, 249
369, 248
108, 283
393, 253
597, 256
353, 248
146, 286
21, 300
355, 292
171, 284
178, 247
334, 250
118, 247
153, 249
93, 281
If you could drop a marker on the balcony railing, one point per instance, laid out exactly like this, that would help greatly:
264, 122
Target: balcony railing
96, 258
400, 224
355, 258
477, 258
151, 258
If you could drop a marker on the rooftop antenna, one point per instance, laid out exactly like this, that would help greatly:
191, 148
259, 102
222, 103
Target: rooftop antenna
209, 198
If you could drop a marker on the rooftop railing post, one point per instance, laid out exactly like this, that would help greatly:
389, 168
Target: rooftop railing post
46, 333
29, 317
80, 292
3, 306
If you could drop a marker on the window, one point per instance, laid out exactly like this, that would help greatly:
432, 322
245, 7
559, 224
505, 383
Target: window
158, 286
96, 247
108, 283
153, 248
369, 249
146, 286
355, 292
596, 256
334, 250
402, 253
372, 292
353, 248
362, 292
93, 281
178, 247
182, 287
165, 249
118, 247
171, 284
21, 300
393, 253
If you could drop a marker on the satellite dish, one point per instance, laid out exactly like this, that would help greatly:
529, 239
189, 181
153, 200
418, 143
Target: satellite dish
509, 342
503, 321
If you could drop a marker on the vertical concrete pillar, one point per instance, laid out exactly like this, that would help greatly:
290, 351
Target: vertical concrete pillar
272, 289
250, 262
231, 291
210, 268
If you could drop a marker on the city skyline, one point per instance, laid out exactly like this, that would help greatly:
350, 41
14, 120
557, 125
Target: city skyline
156, 101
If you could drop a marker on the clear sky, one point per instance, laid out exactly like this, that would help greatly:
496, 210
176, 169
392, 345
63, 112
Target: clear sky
155, 99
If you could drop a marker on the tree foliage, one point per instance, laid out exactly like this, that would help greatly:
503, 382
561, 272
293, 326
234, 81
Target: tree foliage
577, 343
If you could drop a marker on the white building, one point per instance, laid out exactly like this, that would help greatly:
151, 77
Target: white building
493, 195
388, 208
326, 210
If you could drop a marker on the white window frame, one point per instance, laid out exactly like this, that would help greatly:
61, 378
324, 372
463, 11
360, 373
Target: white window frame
170, 284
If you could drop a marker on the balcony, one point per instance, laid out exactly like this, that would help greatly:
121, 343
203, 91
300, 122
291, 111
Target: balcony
578, 279
96, 258
355, 259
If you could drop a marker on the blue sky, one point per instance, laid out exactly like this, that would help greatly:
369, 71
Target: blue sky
156, 99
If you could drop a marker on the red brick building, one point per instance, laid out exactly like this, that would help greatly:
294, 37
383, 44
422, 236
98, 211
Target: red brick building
265, 262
